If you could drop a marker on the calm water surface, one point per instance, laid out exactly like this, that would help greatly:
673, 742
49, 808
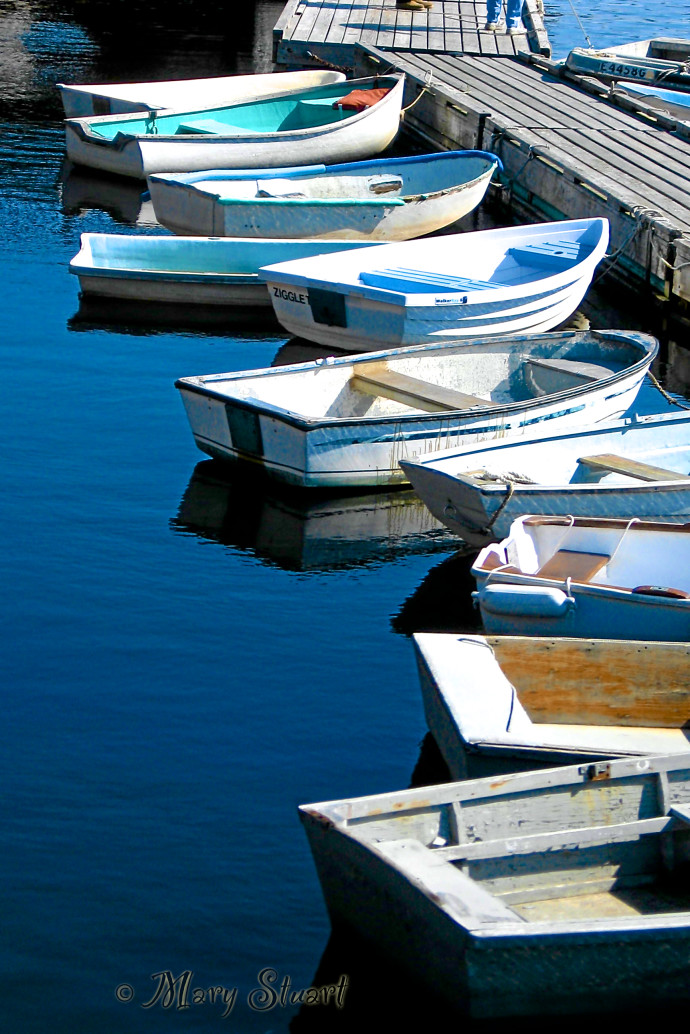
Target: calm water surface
186, 656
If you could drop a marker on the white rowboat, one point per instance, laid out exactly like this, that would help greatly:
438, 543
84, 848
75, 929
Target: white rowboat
582, 576
80, 101
184, 270
377, 200
316, 125
508, 703
352, 420
520, 280
635, 466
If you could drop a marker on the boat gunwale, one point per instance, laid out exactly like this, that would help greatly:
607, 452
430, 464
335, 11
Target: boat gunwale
396, 200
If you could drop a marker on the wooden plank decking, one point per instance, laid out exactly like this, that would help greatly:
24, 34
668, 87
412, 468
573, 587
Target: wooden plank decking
311, 31
568, 151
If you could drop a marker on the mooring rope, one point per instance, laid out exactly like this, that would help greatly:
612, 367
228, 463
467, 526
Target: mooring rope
639, 214
329, 64
510, 480
582, 28
669, 398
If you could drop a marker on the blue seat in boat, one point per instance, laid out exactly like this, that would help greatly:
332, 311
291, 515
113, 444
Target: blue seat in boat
411, 280
553, 255
211, 127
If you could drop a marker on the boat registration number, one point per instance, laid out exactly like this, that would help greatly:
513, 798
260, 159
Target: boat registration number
626, 71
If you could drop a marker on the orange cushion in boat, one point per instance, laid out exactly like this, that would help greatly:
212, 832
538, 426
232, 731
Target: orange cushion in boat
358, 100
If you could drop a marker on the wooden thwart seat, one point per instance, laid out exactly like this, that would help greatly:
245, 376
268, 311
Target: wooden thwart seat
573, 367
607, 461
378, 380
569, 563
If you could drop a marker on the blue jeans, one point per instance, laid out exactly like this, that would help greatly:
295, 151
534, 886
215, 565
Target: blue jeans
513, 11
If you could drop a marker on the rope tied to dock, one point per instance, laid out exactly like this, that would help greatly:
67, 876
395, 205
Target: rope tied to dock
642, 218
509, 181
424, 89
347, 70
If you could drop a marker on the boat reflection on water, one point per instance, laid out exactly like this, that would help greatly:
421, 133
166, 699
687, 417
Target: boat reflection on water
302, 531
139, 317
126, 201
443, 602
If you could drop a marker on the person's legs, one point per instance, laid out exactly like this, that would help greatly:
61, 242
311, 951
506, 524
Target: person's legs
513, 14
493, 13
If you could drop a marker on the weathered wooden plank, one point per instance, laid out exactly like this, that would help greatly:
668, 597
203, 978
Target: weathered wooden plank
448, 883
292, 15
304, 22
573, 839
618, 682
321, 27
435, 29
633, 468
377, 379
386, 34
370, 24
338, 26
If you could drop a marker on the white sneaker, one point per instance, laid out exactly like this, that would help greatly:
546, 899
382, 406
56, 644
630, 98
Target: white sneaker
514, 30
491, 27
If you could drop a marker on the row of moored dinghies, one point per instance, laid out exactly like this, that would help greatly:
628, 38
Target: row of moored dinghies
552, 889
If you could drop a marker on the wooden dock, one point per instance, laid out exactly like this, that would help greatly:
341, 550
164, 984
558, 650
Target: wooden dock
313, 31
570, 148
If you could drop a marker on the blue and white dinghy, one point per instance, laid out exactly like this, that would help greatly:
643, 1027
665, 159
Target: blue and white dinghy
80, 101
635, 466
663, 60
351, 420
520, 280
555, 892
185, 270
336, 122
500, 703
587, 577
378, 200
675, 102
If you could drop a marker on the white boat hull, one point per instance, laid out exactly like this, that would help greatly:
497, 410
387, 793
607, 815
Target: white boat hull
335, 306
640, 588
359, 136
120, 98
237, 417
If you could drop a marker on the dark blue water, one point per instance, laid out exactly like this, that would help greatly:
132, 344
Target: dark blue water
187, 656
